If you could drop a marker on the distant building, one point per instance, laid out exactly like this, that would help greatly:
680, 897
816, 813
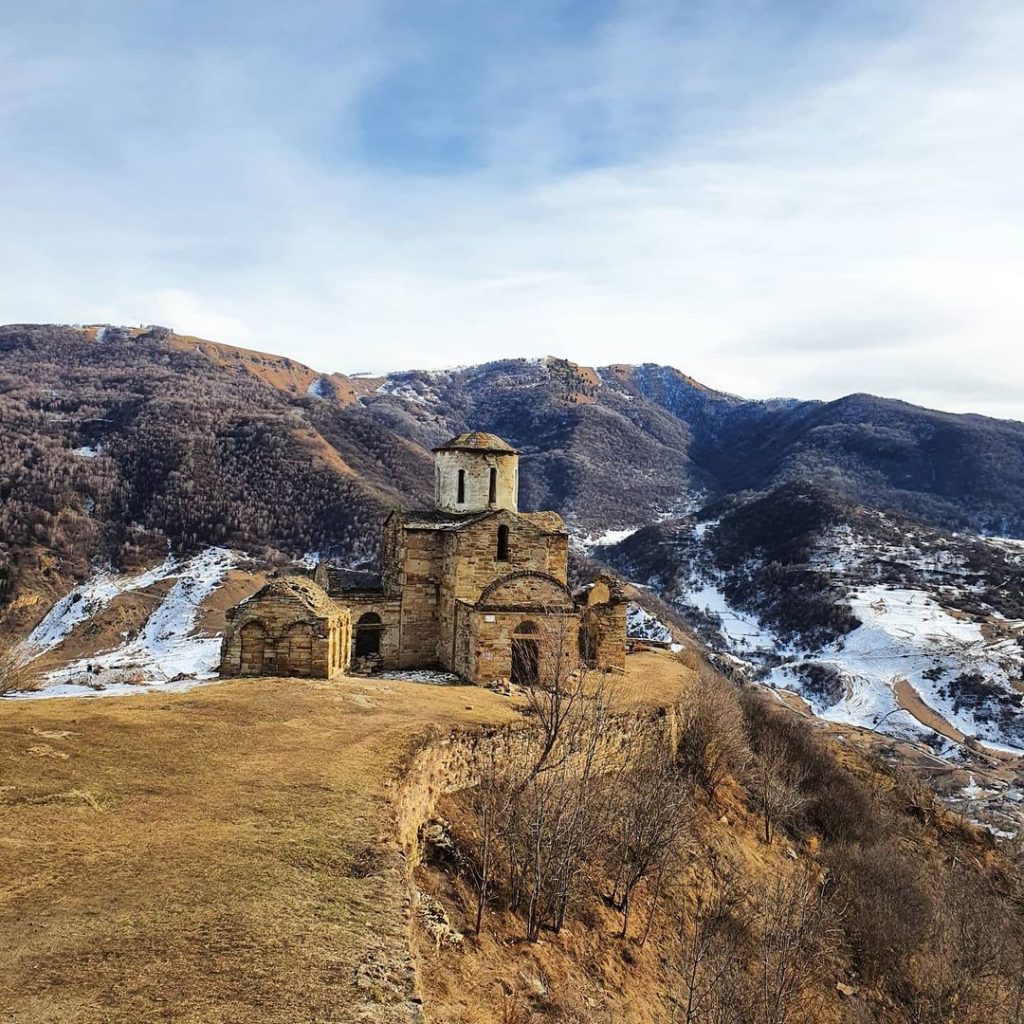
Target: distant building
471, 585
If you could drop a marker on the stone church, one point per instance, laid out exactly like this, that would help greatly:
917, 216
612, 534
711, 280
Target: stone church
472, 586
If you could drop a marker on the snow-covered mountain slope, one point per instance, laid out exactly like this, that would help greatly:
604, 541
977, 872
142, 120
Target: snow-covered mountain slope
642, 625
168, 650
873, 620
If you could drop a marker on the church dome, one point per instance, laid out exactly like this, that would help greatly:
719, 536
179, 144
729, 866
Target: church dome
477, 441
476, 472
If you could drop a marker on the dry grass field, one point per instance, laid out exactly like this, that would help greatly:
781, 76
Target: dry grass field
221, 855
217, 855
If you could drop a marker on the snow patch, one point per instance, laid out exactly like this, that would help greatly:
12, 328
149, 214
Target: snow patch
742, 631
85, 601
166, 653
435, 678
588, 541
321, 388
414, 389
87, 452
641, 625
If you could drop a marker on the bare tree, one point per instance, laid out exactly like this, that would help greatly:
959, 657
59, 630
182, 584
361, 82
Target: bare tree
651, 821
489, 798
548, 809
795, 944
776, 780
711, 960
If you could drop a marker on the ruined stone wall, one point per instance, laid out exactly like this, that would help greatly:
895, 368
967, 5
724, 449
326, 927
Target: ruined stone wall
490, 649
420, 581
450, 762
278, 635
606, 624
389, 610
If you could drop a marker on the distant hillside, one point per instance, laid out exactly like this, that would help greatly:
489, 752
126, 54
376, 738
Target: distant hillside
874, 618
116, 444
119, 442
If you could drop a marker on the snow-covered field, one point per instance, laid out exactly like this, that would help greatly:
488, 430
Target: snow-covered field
967, 669
906, 635
167, 652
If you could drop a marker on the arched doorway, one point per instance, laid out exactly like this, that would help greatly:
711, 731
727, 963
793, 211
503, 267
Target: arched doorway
368, 630
254, 639
526, 654
588, 645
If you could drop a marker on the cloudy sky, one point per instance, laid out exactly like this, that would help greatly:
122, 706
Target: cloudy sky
798, 197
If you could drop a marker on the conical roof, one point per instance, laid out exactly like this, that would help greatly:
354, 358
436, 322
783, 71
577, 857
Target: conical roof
477, 441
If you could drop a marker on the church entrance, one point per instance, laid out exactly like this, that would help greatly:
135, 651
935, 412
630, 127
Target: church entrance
368, 630
525, 655
525, 662
588, 645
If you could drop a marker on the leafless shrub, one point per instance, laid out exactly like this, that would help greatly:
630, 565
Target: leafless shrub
15, 676
513, 1008
652, 806
886, 906
543, 810
776, 780
833, 801
711, 743
796, 941
712, 956
966, 972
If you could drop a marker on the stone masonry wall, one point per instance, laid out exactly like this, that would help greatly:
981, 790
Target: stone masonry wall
388, 609
607, 624
420, 578
280, 636
492, 633
391, 556
470, 564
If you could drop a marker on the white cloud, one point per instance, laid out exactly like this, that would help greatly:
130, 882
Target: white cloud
851, 223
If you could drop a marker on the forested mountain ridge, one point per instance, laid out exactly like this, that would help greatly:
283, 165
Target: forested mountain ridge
119, 442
